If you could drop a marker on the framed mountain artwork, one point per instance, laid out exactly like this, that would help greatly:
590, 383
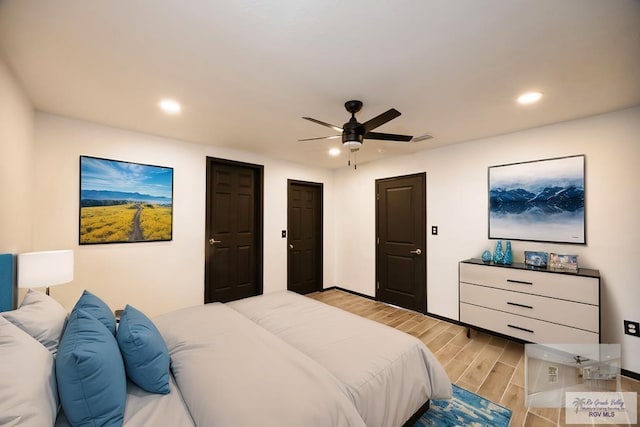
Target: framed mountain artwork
124, 202
540, 201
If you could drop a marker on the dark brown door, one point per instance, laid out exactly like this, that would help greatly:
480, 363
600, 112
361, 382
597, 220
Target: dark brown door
400, 229
304, 224
233, 255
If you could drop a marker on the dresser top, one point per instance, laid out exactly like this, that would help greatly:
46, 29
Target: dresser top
586, 272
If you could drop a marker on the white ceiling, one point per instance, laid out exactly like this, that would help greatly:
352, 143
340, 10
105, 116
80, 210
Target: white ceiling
247, 71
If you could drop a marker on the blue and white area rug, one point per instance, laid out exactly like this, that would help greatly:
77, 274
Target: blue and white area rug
465, 409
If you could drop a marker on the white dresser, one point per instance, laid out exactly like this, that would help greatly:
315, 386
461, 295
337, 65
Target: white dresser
539, 306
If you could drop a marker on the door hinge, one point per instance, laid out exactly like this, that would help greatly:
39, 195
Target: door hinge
377, 240
377, 285
378, 196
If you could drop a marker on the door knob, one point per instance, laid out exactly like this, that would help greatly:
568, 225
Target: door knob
417, 252
290, 246
213, 241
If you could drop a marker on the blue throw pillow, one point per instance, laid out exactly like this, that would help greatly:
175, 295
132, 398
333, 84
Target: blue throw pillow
91, 379
145, 354
98, 309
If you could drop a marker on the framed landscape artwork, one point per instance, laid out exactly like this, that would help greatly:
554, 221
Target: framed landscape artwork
540, 201
124, 202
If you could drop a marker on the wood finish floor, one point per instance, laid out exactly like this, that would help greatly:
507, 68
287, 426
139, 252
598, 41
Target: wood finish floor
489, 366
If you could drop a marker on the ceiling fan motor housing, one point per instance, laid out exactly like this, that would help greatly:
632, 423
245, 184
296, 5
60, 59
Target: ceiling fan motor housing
352, 133
352, 138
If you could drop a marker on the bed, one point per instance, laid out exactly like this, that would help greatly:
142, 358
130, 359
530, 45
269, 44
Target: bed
257, 378
389, 375
239, 364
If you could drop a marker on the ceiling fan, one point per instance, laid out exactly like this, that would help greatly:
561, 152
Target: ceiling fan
353, 133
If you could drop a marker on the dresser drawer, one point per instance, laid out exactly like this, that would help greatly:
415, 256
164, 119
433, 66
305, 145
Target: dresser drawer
557, 285
525, 328
577, 315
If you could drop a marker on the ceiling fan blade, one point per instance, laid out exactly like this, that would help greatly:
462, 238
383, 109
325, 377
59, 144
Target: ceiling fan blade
380, 120
322, 137
388, 137
336, 128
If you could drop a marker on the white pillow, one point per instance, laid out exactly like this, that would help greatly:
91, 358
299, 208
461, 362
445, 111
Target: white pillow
40, 316
28, 389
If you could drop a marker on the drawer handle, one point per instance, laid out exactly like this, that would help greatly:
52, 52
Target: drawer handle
520, 329
519, 305
520, 282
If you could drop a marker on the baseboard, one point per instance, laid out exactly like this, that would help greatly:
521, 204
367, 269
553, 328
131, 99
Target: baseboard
445, 319
630, 374
349, 291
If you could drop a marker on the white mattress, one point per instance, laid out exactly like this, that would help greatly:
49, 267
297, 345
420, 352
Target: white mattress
388, 374
232, 372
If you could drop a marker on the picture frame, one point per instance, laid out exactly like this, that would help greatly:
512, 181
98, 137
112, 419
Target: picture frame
552, 372
534, 259
124, 202
539, 201
565, 262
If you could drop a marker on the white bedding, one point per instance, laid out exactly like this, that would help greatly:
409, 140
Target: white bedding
147, 409
232, 372
388, 374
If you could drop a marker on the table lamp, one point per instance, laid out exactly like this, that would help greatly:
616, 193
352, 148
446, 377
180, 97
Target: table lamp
48, 268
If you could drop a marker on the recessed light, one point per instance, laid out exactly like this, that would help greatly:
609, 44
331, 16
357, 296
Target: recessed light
170, 106
529, 98
334, 152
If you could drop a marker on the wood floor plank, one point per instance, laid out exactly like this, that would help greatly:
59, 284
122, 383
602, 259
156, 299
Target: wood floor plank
518, 375
479, 369
446, 353
513, 399
433, 333
470, 351
465, 385
407, 325
550, 414
498, 342
423, 326
512, 353
440, 340
400, 319
496, 382
454, 369
532, 420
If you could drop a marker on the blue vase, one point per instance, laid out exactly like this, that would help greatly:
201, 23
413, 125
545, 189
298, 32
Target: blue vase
508, 255
486, 256
498, 255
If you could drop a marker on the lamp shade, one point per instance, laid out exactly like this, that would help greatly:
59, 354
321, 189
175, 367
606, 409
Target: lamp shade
40, 269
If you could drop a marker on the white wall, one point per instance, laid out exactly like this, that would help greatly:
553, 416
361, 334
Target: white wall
161, 276
16, 165
158, 277
457, 204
